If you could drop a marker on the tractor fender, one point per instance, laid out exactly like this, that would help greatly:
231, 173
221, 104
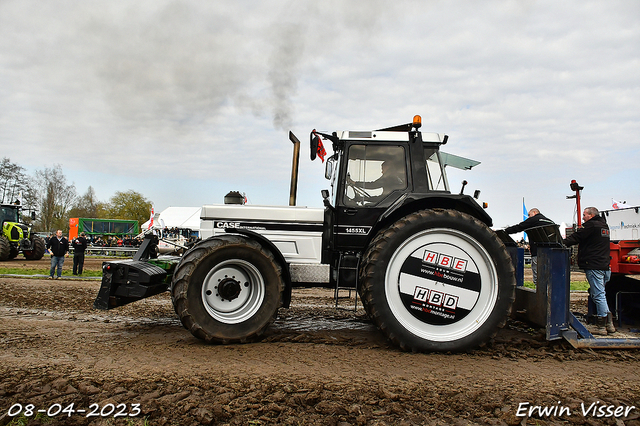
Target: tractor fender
265, 242
411, 203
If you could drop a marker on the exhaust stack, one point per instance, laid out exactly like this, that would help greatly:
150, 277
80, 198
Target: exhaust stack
294, 169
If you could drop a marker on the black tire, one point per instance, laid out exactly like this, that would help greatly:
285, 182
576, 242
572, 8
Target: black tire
240, 311
619, 283
421, 305
39, 248
5, 248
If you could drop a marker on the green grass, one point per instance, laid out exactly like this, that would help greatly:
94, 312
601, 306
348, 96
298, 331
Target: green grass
32, 271
41, 419
23, 420
574, 285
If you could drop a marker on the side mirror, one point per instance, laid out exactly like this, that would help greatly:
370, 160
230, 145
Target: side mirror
314, 140
328, 170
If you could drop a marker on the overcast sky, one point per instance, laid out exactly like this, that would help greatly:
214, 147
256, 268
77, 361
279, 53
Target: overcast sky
184, 101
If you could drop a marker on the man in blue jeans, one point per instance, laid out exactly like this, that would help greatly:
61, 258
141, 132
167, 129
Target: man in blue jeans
594, 256
59, 246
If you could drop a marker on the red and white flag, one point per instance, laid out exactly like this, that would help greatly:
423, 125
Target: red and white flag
617, 204
321, 151
151, 220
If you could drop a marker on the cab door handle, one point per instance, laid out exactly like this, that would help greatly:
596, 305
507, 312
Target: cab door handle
350, 212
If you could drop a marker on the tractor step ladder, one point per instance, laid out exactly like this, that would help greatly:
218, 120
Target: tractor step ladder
349, 267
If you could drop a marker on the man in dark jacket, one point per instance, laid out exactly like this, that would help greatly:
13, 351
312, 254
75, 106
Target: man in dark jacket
79, 246
594, 256
534, 220
59, 247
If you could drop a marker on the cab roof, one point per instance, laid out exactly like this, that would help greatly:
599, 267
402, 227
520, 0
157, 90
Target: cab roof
385, 135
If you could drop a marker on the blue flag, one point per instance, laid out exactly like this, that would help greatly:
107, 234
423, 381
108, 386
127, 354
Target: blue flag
525, 216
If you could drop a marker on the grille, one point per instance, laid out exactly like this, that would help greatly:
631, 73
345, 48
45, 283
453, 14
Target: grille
15, 231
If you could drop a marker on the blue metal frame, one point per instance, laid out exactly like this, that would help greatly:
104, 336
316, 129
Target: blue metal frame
553, 296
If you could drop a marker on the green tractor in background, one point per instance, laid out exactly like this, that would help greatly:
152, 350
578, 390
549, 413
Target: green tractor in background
17, 237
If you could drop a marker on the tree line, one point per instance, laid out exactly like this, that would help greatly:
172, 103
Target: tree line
48, 193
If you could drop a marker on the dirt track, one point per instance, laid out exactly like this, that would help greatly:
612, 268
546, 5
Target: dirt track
316, 365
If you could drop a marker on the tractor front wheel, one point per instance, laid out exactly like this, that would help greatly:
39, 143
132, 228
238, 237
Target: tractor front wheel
227, 289
5, 248
38, 249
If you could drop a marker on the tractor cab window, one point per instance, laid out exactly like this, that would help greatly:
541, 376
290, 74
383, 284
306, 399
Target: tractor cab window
435, 170
374, 172
9, 214
331, 173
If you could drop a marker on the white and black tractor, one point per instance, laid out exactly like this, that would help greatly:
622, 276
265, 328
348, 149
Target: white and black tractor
430, 272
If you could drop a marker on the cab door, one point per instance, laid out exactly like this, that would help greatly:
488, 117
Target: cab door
373, 177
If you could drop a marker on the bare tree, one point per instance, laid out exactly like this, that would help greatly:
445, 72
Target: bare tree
55, 197
14, 182
87, 205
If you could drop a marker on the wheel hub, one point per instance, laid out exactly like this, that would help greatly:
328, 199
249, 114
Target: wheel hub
233, 291
229, 289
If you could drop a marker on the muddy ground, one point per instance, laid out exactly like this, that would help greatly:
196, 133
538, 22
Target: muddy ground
316, 365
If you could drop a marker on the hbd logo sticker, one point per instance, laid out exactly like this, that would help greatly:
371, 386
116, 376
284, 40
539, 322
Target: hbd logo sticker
435, 298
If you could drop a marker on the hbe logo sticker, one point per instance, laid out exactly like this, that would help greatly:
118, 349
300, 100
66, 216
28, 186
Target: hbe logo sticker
445, 261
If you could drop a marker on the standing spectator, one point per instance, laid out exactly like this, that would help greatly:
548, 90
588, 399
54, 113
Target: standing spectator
59, 247
594, 256
46, 242
534, 220
79, 246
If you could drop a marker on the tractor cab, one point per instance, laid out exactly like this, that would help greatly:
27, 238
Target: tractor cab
380, 175
9, 213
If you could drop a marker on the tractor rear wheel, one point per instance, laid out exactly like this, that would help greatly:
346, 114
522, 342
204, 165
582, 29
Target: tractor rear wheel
38, 250
5, 248
227, 289
437, 280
